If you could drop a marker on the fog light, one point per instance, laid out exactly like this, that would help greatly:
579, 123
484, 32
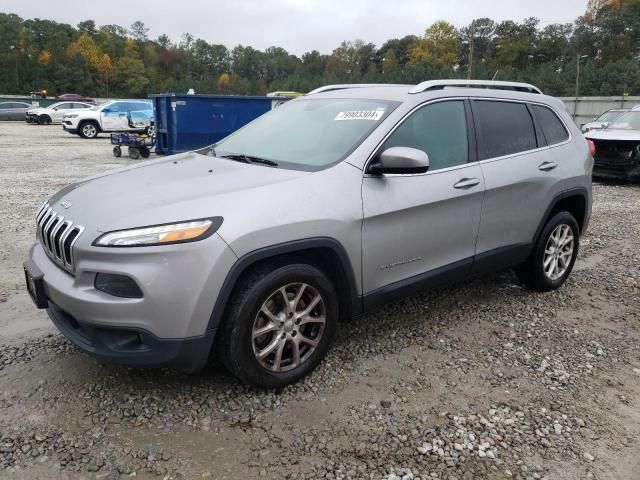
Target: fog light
117, 285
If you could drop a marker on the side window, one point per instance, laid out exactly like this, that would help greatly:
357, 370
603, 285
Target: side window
137, 106
440, 130
118, 107
504, 128
552, 128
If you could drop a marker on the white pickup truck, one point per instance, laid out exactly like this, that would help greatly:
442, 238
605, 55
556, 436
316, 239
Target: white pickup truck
115, 116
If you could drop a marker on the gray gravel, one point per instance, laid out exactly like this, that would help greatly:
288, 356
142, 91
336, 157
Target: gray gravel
481, 380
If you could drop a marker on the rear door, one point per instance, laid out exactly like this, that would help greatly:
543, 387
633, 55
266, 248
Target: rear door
420, 228
523, 176
60, 111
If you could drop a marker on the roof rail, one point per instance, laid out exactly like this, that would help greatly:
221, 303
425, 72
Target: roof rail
499, 85
343, 86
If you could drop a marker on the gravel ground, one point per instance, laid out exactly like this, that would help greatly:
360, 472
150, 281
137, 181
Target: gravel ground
481, 380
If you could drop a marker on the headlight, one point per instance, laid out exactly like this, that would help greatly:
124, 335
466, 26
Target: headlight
161, 234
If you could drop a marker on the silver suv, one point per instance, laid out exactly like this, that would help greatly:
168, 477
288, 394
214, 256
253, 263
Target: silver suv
327, 207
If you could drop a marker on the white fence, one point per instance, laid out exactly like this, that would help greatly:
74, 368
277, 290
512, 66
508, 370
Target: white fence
584, 109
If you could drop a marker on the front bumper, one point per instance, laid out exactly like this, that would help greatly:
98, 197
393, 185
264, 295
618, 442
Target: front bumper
67, 126
133, 347
168, 326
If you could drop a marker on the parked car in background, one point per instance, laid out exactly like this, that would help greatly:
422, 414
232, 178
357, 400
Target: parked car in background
116, 116
77, 98
617, 148
14, 111
54, 113
324, 208
603, 120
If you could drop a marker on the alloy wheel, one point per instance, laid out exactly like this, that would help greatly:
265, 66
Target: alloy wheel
89, 130
558, 252
288, 327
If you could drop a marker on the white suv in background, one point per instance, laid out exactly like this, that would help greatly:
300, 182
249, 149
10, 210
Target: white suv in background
54, 113
116, 116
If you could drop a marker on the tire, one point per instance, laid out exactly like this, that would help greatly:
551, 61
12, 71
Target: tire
134, 153
145, 152
44, 120
239, 350
545, 269
117, 151
88, 130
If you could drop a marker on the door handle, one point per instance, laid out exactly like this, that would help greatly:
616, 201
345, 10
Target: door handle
466, 183
547, 166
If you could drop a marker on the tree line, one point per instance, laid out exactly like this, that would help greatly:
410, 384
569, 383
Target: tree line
112, 61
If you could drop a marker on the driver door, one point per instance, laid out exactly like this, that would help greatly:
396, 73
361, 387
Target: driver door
114, 117
421, 229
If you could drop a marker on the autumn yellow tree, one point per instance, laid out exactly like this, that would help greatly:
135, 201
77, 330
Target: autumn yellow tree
223, 81
440, 46
87, 48
44, 57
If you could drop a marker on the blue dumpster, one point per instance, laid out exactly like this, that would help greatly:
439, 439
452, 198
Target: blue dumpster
186, 122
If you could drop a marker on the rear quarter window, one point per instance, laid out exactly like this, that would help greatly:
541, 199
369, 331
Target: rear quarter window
553, 129
504, 128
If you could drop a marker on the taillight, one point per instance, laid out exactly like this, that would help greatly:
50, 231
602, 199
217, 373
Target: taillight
592, 147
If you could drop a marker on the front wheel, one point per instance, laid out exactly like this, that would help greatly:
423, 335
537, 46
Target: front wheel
279, 325
88, 130
44, 120
554, 254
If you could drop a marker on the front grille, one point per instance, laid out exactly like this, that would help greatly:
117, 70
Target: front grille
617, 154
57, 235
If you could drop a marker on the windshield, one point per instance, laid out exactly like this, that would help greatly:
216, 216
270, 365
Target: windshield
609, 116
628, 121
308, 134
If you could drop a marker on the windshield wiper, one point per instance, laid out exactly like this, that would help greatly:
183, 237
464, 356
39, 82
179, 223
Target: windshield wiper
241, 157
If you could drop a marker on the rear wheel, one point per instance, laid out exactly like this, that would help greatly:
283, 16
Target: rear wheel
134, 153
279, 325
88, 130
553, 255
117, 151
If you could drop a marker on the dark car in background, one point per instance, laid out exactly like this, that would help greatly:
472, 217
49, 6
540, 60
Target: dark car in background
16, 111
74, 97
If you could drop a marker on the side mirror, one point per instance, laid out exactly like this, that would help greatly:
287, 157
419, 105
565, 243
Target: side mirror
106, 110
400, 160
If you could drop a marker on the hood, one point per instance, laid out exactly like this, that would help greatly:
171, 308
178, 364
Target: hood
612, 134
37, 110
177, 188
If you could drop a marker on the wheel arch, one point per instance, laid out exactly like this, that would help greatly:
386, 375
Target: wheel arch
325, 253
89, 120
574, 201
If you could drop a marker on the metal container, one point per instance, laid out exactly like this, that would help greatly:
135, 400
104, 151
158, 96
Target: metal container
186, 122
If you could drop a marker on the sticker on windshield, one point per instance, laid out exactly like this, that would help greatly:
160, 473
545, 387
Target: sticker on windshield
374, 115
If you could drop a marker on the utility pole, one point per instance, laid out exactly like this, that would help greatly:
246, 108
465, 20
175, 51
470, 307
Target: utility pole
471, 41
575, 106
470, 52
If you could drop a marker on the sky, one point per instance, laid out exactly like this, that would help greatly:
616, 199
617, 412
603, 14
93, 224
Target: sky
296, 25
